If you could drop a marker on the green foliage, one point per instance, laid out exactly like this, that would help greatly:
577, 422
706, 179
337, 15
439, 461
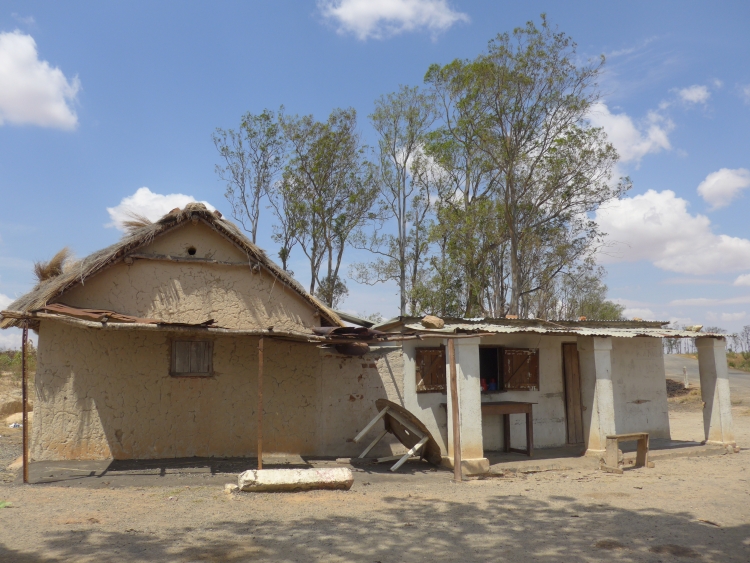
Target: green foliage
253, 156
5, 504
514, 130
10, 361
328, 191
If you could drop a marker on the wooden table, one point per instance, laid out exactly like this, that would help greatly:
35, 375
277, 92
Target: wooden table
507, 408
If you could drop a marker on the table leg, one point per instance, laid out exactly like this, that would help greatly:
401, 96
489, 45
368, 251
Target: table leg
506, 432
529, 435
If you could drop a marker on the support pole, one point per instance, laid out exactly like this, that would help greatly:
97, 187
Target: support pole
454, 412
260, 403
25, 391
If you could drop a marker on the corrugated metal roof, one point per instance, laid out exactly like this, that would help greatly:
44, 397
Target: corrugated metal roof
629, 332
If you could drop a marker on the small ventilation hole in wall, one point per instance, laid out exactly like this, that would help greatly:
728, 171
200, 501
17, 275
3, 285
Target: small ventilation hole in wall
191, 251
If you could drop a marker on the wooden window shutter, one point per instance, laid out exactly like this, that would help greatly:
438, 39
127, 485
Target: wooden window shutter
520, 369
192, 357
430, 369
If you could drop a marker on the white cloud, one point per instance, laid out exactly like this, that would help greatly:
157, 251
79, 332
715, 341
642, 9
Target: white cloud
745, 92
31, 91
721, 187
657, 227
729, 317
695, 94
703, 301
645, 314
4, 301
382, 18
744, 279
633, 140
26, 20
147, 203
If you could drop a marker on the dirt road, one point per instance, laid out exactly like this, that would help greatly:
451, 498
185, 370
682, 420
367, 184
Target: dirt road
739, 381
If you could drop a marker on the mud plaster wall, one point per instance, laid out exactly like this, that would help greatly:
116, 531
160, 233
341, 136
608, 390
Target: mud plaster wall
639, 386
192, 293
105, 394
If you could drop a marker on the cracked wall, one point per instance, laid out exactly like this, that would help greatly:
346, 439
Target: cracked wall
192, 293
108, 394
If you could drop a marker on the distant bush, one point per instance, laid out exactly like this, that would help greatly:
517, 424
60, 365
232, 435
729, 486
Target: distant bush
10, 361
739, 360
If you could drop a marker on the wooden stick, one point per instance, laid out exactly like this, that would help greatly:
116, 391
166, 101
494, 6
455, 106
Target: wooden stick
410, 453
260, 403
186, 260
24, 384
454, 412
373, 444
366, 429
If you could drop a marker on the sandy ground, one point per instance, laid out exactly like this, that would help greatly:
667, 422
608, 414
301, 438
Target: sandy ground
683, 509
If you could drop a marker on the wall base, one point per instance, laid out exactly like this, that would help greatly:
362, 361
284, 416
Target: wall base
476, 466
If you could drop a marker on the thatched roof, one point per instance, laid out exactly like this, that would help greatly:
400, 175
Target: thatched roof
47, 290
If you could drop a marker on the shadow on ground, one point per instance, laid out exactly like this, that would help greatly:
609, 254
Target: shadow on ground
501, 528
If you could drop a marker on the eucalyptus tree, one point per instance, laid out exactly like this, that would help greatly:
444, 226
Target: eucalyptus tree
329, 189
553, 166
401, 120
468, 220
253, 156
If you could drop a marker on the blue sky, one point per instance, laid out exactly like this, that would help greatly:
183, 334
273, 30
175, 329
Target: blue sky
98, 100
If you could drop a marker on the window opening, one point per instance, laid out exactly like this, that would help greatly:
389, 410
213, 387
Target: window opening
192, 358
430, 369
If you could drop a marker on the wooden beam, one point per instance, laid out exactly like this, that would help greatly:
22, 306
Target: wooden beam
186, 260
260, 403
25, 399
454, 412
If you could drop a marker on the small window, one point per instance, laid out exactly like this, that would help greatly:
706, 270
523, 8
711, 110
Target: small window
431, 369
520, 369
192, 357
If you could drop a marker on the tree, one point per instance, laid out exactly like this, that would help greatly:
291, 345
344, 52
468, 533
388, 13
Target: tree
529, 103
469, 222
401, 120
253, 156
329, 189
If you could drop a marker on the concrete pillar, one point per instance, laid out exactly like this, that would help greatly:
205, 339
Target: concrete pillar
717, 407
597, 396
469, 407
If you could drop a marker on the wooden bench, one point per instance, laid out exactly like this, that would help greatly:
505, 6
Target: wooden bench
507, 408
612, 452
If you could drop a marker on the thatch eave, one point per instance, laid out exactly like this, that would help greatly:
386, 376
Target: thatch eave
48, 290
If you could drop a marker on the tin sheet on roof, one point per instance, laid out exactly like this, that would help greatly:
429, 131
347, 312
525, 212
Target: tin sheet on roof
629, 332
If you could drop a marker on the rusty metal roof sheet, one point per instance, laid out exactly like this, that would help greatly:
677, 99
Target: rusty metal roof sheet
553, 328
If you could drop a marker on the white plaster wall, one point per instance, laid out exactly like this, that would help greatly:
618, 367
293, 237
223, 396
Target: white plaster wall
425, 406
549, 413
639, 388
108, 394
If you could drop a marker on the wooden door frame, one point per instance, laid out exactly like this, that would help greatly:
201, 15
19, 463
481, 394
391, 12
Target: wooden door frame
566, 392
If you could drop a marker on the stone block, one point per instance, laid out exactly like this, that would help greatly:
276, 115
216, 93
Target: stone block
278, 480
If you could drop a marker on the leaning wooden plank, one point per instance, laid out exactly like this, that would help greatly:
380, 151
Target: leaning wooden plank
410, 453
264, 480
366, 429
373, 444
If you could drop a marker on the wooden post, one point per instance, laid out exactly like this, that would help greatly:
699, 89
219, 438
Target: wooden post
25, 397
454, 412
260, 403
